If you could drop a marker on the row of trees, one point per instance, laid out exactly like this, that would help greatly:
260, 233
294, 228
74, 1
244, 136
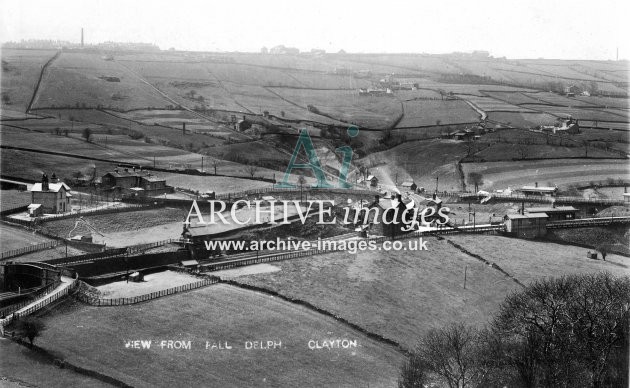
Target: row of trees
571, 331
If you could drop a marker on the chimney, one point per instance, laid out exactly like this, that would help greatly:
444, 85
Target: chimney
45, 186
399, 198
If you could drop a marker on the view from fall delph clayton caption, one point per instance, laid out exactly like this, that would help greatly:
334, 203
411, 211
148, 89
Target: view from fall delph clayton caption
403, 194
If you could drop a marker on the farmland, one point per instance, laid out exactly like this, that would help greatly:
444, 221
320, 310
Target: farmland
421, 290
426, 113
95, 338
16, 237
20, 72
500, 175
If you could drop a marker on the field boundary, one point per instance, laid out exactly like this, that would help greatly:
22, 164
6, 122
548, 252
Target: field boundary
103, 302
39, 80
28, 249
308, 305
489, 263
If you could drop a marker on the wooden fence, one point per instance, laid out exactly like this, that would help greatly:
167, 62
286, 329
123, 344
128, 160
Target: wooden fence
80, 213
31, 248
308, 190
146, 297
34, 296
143, 247
52, 297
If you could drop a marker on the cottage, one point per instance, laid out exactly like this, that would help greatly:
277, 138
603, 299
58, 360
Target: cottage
371, 181
531, 225
53, 196
409, 185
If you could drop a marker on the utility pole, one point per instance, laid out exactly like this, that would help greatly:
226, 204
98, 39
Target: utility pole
202, 164
465, 273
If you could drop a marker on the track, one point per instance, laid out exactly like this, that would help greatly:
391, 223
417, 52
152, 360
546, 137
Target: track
588, 222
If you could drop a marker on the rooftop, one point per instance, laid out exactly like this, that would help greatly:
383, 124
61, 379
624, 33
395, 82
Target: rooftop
526, 216
52, 187
550, 209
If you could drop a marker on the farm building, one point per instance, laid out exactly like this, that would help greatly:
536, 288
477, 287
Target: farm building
559, 213
138, 181
371, 181
53, 196
529, 225
409, 185
538, 190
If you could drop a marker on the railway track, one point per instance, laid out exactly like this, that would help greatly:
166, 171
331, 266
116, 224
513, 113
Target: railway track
588, 222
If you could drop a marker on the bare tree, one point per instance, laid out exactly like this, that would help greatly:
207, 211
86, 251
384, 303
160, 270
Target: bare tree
215, 163
452, 354
412, 373
252, 169
476, 179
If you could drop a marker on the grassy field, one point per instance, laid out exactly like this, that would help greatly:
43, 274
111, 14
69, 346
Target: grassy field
421, 290
95, 338
11, 199
152, 282
218, 184
20, 75
81, 80
347, 105
432, 112
117, 222
523, 119
13, 237
530, 260
397, 294
22, 367
500, 175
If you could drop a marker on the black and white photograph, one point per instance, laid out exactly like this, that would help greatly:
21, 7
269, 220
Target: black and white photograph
404, 194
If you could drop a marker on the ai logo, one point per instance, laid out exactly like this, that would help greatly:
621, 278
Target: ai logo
304, 140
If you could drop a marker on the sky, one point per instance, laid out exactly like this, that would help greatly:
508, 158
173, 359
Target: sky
558, 29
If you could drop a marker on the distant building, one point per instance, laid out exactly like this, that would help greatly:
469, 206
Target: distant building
52, 196
530, 225
559, 213
409, 185
371, 181
281, 49
572, 90
376, 92
135, 182
538, 190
